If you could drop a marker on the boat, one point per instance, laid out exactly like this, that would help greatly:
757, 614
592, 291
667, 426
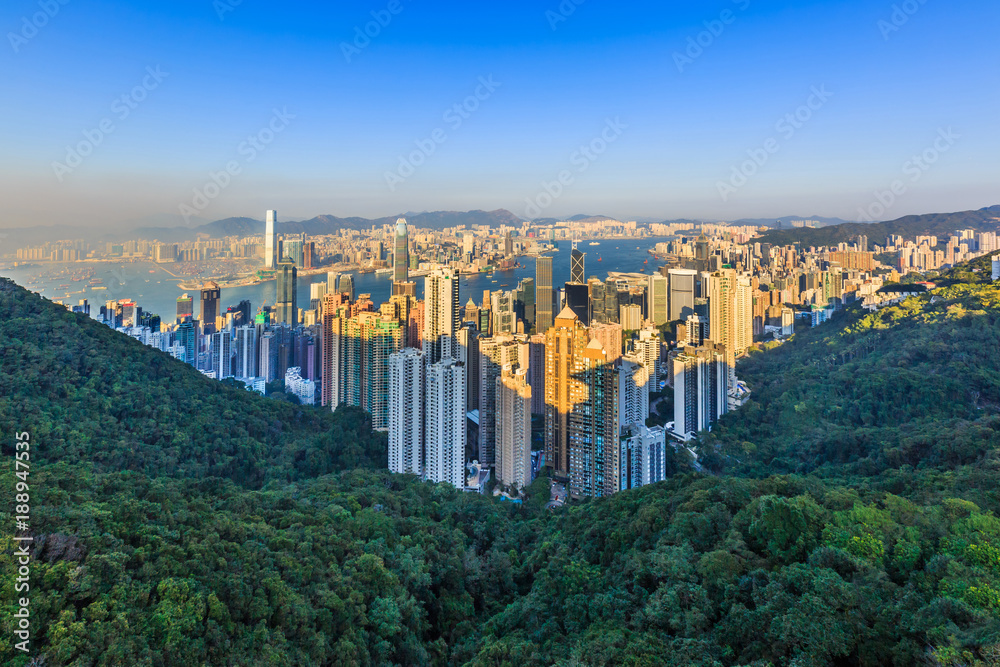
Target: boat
152, 270
594, 243
599, 259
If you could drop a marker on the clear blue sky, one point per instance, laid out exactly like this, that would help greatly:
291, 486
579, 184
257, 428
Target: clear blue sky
685, 127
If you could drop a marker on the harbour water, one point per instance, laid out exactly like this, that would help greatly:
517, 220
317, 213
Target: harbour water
156, 291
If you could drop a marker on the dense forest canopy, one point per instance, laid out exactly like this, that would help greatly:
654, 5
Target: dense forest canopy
850, 517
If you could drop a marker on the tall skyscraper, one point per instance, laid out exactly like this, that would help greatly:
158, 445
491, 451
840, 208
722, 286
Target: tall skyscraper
185, 308
593, 427
210, 293
494, 354
643, 457
657, 299
536, 372
246, 351
730, 324
610, 337
401, 254
578, 300
286, 301
222, 354
544, 296
648, 348
406, 412
367, 342
682, 291
345, 285
187, 335
701, 388
271, 240
503, 313
576, 266
468, 354
441, 316
633, 392
565, 343
508, 245
513, 428
445, 427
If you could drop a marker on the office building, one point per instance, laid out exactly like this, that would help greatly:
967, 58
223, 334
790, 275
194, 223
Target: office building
657, 299
682, 293
185, 308
271, 240
630, 317
468, 354
246, 352
504, 318
544, 295
222, 354
400, 255
210, 294
536, 372
286, 302
576, 266
406, 412
445, 427
578, 300
513, 428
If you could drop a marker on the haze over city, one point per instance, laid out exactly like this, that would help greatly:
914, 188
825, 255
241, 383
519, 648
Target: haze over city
717, 111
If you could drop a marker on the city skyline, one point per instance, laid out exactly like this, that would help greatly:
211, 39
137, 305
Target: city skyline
711, 112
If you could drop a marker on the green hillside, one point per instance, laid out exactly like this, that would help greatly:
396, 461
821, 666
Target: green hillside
209, 526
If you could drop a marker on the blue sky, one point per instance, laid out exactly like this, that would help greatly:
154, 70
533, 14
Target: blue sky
893, 76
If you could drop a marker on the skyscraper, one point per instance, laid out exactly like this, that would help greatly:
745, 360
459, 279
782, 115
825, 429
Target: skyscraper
682, 290
271, 241
441, 316
246, 351
648, 348
701, 388
367, 342
657, 296
544, 297
345, 285
578, 300
503, 314
406, 412
286, 301
526, 298
222, 354
730, 324
445, 427
210, 293
593, 427
576, 267
185, 308
401, 254
633, 392
513, 428
494, 354
565, 343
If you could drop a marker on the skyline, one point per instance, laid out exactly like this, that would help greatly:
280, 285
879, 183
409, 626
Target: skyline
331, 122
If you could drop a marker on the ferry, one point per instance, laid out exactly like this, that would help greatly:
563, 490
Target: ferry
594, 243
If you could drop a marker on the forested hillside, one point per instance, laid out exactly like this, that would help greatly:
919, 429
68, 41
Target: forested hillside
205, 525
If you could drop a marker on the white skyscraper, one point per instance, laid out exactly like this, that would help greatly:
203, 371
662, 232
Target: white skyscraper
441, 316
701, 388
445, 434
643, 457
657, 295
633, 392
271, 241
647, 348
406, 412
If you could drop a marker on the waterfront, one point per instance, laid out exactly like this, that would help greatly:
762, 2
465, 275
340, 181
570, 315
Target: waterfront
156, 290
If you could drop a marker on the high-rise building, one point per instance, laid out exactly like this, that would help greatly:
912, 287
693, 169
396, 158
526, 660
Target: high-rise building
468, 354
701, 388
406, 412
643, 457
611, 313
597, 314
271, 241
578, 300
730, 323
536, 372
367, 342
445, 428
657, 299
401, 254
441, 316
508, 245
503, 314
633, 392
544, 296
286, 302
610, 337
682, 291
222, 354
576, 266
494, 354
593, 427
185, 308
210, 294
187, 335
513, 428
630, 317
649, 348
565, 343
526, 299
345, 285
246, 351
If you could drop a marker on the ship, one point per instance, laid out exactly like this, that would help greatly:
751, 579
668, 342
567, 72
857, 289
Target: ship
594, 243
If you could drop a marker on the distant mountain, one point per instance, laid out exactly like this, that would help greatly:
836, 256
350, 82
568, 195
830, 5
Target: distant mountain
787, 221
986, 219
